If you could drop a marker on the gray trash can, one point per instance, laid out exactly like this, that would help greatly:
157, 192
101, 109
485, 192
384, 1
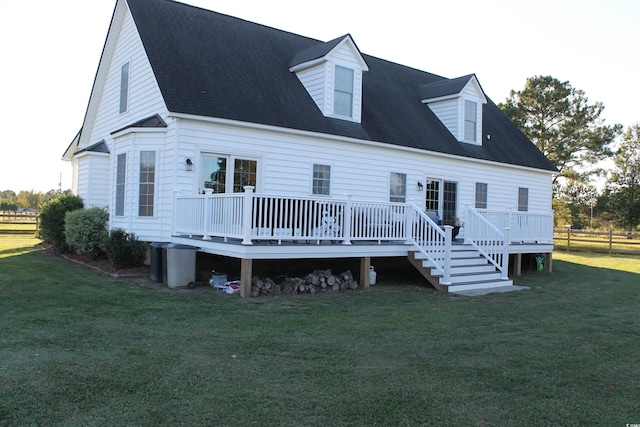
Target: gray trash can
181, 265
158, 258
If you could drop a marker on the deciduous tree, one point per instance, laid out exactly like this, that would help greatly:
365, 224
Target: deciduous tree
624, 198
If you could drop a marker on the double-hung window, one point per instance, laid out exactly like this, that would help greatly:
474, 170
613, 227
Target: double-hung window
523, 199
397, 187
121, 175
147, 183
343, 92
321, 180
481, 195
470, 120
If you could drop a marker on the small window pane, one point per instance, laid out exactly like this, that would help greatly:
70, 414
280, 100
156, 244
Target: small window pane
481, 195
321, 180
523, 199
397, 187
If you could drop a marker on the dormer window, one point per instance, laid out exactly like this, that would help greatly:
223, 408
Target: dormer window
470, 120
332, 74
458, 104
343, 92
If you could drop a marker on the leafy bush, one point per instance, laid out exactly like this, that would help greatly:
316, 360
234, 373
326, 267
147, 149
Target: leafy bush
52, 220
124, 249
86, 230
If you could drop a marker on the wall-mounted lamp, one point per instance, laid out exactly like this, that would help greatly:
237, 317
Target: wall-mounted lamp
189, 165
420, 186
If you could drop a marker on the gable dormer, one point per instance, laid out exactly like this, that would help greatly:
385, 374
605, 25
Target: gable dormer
458, 105
332, 74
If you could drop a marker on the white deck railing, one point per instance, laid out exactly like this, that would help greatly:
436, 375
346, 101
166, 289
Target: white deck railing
251, 217
526, 227
491, 242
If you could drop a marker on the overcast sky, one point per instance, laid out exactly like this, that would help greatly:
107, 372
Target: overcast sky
51, 51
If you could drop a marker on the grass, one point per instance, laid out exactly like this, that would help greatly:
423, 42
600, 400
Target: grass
78, 348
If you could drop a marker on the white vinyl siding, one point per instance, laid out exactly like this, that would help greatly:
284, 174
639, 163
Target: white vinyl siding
144, 97
314, 80
146, 196
447, 113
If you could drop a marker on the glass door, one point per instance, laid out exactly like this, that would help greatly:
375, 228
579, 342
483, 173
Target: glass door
217, 170
441, 199
214, 173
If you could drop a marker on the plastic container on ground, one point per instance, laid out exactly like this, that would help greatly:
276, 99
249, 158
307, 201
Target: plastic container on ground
181, 265
158, 267
218, 279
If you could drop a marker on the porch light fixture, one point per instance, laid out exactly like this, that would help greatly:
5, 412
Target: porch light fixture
189, 165
420, 186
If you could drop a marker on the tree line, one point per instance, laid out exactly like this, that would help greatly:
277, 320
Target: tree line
27, 199
571, 132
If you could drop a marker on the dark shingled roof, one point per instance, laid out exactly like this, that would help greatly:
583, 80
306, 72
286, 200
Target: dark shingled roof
215, 65
443, 87
98, 147
154, 121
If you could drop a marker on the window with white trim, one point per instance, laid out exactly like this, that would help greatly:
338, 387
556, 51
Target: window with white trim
121, 175
470, 120
397, 187
523, 199
147, 183
481, 195
343, 92
321, 180
124, 88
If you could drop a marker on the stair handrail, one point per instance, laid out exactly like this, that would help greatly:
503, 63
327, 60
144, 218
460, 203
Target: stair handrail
432, 241
488, 240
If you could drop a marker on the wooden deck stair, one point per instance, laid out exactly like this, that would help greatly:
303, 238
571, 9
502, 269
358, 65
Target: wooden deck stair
469, 270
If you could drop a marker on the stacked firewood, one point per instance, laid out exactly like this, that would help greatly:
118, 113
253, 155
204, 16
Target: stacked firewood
315, 282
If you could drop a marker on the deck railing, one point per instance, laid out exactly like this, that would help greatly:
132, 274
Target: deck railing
252, 217
433, 241
491, 242
526, 227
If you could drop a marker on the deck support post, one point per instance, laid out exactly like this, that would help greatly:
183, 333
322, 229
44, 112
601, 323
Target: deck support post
505, 253
548, 262
365, 265
517, 267
346, 226
448, 240
246, 215
246, 274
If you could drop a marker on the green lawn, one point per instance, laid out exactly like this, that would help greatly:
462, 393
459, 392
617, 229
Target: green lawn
77, 348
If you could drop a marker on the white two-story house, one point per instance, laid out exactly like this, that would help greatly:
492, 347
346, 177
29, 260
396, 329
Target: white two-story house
254, 143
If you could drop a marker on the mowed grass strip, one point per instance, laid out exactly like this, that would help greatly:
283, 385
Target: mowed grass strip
78, 348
